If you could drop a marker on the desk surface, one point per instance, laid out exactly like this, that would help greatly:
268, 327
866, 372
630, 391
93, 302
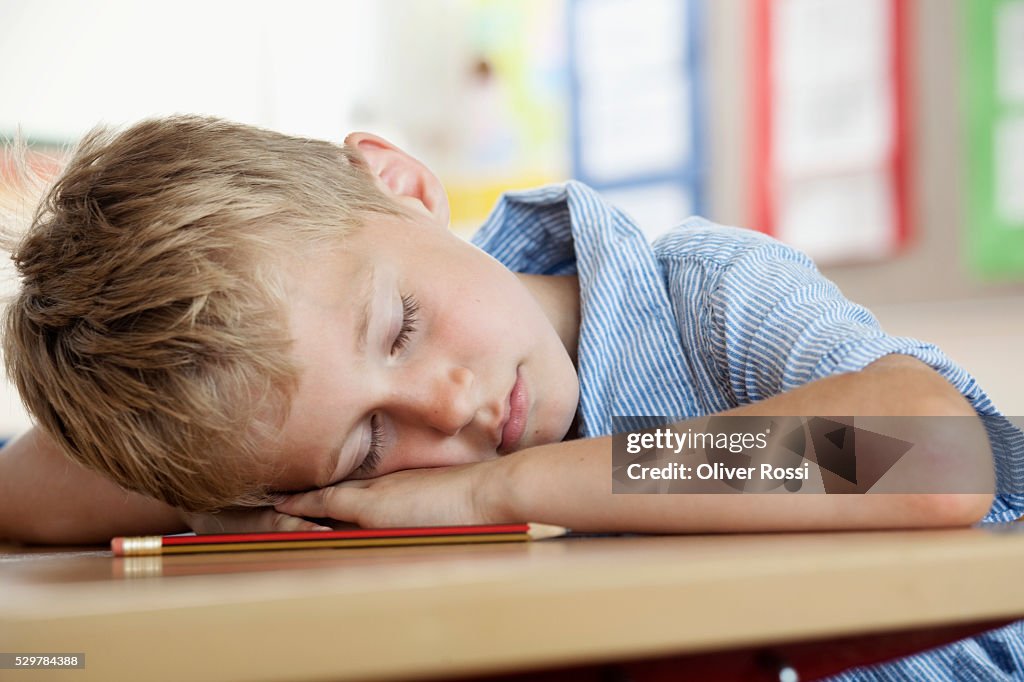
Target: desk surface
444, 610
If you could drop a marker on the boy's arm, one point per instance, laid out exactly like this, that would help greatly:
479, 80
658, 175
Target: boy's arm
570, 483
45, 498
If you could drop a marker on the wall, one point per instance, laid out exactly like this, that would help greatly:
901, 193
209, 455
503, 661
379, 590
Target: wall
932, 268
301, 67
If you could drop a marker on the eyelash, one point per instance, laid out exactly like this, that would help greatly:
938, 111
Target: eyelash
373, 455
410, 310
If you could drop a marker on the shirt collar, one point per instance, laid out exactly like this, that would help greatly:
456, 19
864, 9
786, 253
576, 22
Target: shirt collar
629, 355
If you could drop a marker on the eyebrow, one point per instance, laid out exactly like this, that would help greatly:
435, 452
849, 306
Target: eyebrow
363, 319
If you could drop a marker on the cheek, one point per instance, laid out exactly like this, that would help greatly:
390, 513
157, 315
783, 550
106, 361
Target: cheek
470, 322
420, 450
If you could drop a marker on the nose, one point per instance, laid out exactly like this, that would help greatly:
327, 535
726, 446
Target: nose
440, 398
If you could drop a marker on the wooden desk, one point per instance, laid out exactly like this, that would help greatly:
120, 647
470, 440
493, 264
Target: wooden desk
476, 609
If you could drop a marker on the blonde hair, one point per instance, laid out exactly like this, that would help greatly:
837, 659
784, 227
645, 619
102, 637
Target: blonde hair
149, 336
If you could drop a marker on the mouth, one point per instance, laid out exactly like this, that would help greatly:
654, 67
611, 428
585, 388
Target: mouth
514, 426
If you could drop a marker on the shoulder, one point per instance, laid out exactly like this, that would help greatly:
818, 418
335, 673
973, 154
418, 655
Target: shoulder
698, 239
723, 263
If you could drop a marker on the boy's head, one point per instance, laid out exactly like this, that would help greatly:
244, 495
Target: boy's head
149, 335
210, 312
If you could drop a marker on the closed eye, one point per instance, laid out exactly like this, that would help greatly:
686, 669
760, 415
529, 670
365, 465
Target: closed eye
410, 317
373, 454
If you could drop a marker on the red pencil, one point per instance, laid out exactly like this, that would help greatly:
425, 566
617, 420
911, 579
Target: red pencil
362, 537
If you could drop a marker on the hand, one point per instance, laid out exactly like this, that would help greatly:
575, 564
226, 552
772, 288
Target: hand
263, 520
451, 495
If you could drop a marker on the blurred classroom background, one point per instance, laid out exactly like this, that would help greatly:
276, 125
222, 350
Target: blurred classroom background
884, 137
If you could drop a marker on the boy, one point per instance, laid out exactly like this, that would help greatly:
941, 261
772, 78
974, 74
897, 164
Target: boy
213, 315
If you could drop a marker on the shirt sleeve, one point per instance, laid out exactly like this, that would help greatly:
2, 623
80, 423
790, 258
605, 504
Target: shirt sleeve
777, 323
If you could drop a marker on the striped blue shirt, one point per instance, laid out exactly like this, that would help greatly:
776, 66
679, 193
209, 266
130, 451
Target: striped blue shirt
708, 318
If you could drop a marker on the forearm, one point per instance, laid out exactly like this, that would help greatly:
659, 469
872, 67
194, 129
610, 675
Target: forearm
570, 483
44, 498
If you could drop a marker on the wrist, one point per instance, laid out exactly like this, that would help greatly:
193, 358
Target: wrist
495, 493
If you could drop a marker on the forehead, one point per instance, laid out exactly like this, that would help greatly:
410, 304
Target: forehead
325, 293
326, 278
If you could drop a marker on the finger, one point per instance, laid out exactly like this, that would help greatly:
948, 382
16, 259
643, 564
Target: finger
285, 522
325, 502
312, 503
355, 483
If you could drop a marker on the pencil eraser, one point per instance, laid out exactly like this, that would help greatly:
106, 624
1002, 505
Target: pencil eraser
117, 546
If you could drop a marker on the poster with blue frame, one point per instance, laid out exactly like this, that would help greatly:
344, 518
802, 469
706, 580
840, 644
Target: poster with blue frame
636, 100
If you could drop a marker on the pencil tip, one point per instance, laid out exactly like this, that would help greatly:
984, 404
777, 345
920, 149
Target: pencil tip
541, 531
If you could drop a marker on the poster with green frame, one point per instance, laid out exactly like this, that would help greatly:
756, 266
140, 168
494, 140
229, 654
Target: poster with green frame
993, 98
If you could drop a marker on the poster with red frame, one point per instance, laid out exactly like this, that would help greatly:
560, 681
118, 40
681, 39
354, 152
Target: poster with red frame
829, 115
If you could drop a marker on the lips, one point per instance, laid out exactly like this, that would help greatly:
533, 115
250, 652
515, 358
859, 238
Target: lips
515, 425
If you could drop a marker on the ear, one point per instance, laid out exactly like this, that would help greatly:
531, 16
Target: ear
402, 176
